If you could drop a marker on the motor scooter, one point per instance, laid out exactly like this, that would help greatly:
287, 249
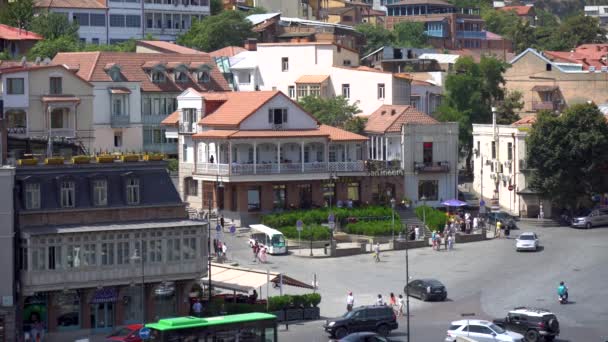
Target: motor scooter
563, 299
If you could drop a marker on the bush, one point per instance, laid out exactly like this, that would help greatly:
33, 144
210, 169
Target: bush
373, 228
319, 233
314, 299
240, 308
318, 216
173, 165
435, 219
278, 303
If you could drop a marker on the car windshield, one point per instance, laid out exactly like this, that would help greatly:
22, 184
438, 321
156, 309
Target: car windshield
121, 332
349, 314
526, 237
278, 240
497, 329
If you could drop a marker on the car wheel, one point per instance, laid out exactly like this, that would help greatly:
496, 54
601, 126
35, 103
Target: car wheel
444, 298
424, 297
383, 330
340, 333
532, 336
588, 225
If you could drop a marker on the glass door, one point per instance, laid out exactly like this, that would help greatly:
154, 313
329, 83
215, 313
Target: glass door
102, 316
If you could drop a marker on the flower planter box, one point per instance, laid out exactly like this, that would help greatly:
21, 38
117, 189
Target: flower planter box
129, 158
105, 159
54, 161
312, 313
31, 161
280, 315
154, 157
294, 314
81, 160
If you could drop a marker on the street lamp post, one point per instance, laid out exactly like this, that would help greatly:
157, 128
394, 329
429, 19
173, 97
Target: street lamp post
218, 185
393, 216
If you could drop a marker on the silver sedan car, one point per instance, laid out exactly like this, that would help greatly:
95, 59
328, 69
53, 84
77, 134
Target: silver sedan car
527, 241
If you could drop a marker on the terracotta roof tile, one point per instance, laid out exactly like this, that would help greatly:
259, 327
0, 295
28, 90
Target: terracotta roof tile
214, 133
519, 10
390, 118
67, 98
312, 79
90, 4
171, 120
91, 67
228, 51
13, 33
338, 134
525, 121
32, 67
238, 106
332, 133
167, 47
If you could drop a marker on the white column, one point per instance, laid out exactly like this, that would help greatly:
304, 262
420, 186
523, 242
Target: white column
371, 147
279, 156
255, 157
195, 154
302, 155
229, 157
386, 147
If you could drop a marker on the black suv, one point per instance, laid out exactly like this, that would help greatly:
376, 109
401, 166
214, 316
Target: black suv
380, 319
534, 324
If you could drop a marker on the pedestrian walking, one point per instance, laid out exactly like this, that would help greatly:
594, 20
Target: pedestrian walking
377, 252
215, 247
197, 308
401, 305
379, 300
434, 239
392, 300
263, 255
439, 241
350, 301
468, 225
507, 231
417, 232
450, 242
256, 249
224, 250
498, 228
475, 223
445, 240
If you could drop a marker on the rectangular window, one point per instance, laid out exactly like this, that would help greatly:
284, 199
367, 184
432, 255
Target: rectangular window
133, 191
98, 20
73, 256
117, 105
380, 91
302, 90
38, 258
173, 249
55, 257
279, 196
353, 191
117, 20
191, 187
90, 254
284, 64
122, 253
185, 153
429, 189
155, 251
56, 86
277, 116
346, 90
32, 196
189, 248
95, 41
147, 106
107, 253
117, 139
15, 86
346, 62
133, 21
82, 19
510, 151
314, 90
332, 153
67, 194
291, 91
253, 199
493, 149
100, 192
427, 152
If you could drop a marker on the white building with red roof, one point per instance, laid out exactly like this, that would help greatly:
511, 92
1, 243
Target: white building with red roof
17, 41
246, 153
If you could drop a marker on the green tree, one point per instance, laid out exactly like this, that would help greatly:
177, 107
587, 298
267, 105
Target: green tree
49, 48
126, 46
17, 13
506, 112
332, 111
54, 25
216, 7
578, 30
218, 31
500, 22
376, 36
568, 154
412, 34
355, 125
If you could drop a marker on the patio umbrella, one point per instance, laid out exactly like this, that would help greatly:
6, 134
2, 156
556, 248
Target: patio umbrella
454, 203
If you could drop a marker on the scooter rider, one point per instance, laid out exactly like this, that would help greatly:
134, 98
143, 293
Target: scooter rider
562, 291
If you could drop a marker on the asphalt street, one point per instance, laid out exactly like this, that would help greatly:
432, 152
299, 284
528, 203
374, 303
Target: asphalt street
485, 278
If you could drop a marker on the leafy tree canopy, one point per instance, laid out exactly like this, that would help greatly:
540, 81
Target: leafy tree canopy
49, 48
216, 6
333, 111
54, 25
17, 13
411, 34
218, 31
376, 36
506, 112
568, 154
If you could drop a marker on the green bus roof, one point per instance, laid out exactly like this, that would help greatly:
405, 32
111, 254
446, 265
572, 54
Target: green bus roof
195, 322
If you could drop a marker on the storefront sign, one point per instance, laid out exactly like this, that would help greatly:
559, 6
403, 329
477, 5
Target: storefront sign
383, 173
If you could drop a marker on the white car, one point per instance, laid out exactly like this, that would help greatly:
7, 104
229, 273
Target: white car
527, 241
481, 331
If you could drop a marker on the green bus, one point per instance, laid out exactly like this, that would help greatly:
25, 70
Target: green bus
251, 327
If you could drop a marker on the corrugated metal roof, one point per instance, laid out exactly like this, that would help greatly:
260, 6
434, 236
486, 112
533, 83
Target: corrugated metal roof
441, 58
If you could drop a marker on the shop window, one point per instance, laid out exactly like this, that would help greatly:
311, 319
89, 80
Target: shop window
35, 314
279, 195
67, 304
173, 249
329, 193
253, 199
353, 191
189, 248
428, 189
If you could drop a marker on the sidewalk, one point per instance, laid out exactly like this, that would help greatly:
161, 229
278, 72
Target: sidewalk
320, 252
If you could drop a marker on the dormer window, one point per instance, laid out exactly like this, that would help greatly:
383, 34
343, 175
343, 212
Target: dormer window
181, 76
132, 191
203, 77
32, 196
67, 194
158, 76
113, 71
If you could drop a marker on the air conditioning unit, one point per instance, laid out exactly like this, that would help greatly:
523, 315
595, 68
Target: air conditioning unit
488, 162
604, 68
592, 69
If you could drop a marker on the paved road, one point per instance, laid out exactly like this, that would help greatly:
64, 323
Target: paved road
485, 278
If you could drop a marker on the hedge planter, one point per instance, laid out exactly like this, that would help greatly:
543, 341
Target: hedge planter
129, 158
81, 160
312, 313
105, 159
294, 314
31, 161
54, 161
154, 157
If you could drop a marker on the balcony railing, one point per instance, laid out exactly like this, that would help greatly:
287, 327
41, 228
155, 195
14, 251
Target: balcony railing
275, 168
545, 105
471, 34
118, 121
187, 127
442, 166
63, 132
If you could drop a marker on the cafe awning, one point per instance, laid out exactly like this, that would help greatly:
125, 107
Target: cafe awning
247, 279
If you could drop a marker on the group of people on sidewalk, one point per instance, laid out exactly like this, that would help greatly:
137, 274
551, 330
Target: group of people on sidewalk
260, 253
220, 248
397, 304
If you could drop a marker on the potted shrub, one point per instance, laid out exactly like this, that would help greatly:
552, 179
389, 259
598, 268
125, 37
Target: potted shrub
277, 306
127, 158
296, 310
105, 158
81, 159
29, 161
154, 157
53, 161
311, 309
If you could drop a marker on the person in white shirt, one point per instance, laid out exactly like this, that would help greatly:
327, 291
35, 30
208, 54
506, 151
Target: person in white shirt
417, 232
401, 304
350, 301
379, 301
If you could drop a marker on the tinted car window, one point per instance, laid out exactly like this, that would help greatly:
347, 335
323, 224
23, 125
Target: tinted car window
359, 314
454, 327
479, 329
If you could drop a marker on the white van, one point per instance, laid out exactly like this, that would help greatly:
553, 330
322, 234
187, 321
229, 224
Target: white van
270, 238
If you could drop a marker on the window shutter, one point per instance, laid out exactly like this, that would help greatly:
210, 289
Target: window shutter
270, 116
285, 115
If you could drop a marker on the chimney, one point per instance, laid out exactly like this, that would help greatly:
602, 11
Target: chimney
251, 44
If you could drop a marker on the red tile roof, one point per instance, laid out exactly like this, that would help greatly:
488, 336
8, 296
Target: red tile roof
390, 118
13, 33
525, 121
332, 133
171, 120
92, 67
338, 134
90, 4
586, 54
237, 107
312, 79
12, 68
519, 10
167, 47
227, 51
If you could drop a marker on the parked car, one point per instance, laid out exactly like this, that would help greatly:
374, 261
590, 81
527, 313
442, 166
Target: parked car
504, 218
378, 318
364, 337
480, 331
533, 323
426, 289
595, 218
527, 241
129, 333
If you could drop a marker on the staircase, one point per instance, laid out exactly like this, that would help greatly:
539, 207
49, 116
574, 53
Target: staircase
409, 218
